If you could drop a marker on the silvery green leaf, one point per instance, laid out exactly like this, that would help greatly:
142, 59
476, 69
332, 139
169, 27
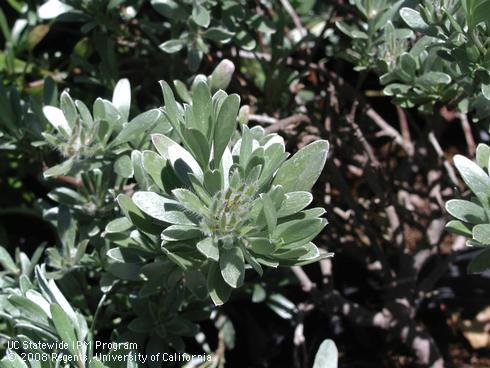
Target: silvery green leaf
473, 175
182, 91
432, 79
189, 120
121, 98
170, 105
140, 219
7, 262
312, 212
181, 160
161, 208
225, 166
184, 164
125, 254
51, 292
466, 211
298, 230
272, 139
284, 307
38, 299
69, 110
277, 196
252, 173
327, 355
199, 189
172, 46
259, 294
274, 156
408, 63
312, 253
50, 92
170, 9
481, 233
269, 211
154, 165
480, 14
413, 19
137, 126
255, 159
294, 202
190, 201
480, 263
244, 115
221, 76
57, 119
105, 110
457, 227
64, 327
139, 173
198, 145
261, 246
252, 261
201, 15
61, 169
104, 131
180, 232
29, 309
217, 34
118, 225
123, 167
209, 248
51, 139
351, 31
85, 114
485, 90
67, 227
474, 243
218, 98
202, 107
198, 79
125, 271
291, 254
482, 155
232, 266
196, 282
12, 360
52, 8
245, 146
141, 325
212, 181
219, 291
225, 125
394, 89
301, 171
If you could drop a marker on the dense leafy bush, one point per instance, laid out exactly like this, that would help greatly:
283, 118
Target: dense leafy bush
472, 217
448, 62
133, 225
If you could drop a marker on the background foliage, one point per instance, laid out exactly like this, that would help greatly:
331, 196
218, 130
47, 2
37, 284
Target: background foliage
398, 88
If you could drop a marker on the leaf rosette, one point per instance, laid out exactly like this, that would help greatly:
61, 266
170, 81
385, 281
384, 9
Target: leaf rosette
223, 201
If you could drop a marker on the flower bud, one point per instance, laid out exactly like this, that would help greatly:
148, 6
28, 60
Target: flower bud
221, 76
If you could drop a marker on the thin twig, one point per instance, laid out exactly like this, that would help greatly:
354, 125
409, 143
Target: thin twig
263, 119
437, 147
396, 318
407, 141
292, 13
386, 129
365, 144
276, 125
468, 135
306, 284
